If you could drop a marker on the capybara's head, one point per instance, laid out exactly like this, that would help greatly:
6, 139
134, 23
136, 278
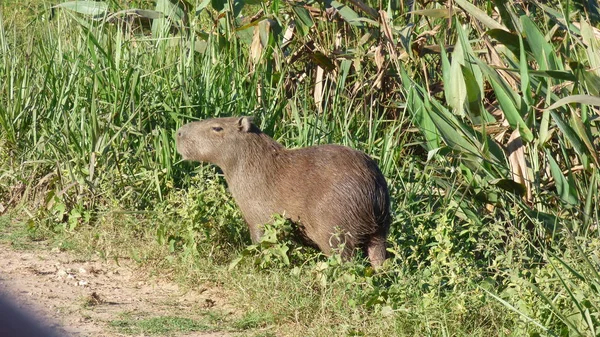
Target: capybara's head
214, 140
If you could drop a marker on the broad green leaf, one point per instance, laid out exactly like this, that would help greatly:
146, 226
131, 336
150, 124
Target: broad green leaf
218, 5
524, 72
510, 112
439, 13
569, 133
510, 185
509, 18
145, 13
541, 49
304, 21
474, 95
420, 117
201, 6
454, 83
510, 40
592, 44
347, 13
472, 76
565, 190
556, 74
479, 15
584, 134
322, 60
590, 199
581, 99
447, 124
94, 8
458, 89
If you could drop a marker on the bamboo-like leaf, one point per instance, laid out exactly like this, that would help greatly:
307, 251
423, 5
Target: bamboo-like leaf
569, 133
590, 200
171, 11
447, 124
347, 13
509, 18
592, 43
584, 134
304, 21
479, 15
510, 112
510, 40
472, 77
510, 185
420, 116
144, 13
218, 5
565, 190
438, 13
454, 83
582, 99
542, 50
93, 8
201, 6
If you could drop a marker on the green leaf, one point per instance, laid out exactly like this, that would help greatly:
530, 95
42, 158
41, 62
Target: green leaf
304, 21
347, 13
454, 83
202, 6
510, 40
171, 11
322, 60
510, 185
438, 13
542, 50
145, 13
565, 190
568, 131
510, 111
447, 124
582, 99
420, 116
218, 5
93, 8
479, 14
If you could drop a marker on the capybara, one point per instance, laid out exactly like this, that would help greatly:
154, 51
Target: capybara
335, 194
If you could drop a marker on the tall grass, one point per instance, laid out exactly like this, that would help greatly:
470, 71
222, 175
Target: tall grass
483, 118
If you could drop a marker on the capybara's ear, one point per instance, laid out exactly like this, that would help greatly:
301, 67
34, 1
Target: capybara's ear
245, 124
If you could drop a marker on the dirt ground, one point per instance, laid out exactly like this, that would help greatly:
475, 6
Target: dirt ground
91, 297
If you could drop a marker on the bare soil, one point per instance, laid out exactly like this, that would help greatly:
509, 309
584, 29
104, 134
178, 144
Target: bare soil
86, 297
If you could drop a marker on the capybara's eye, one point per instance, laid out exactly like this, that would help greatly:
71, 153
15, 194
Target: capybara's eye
217, 128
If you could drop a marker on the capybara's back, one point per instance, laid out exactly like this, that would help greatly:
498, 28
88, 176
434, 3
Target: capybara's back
336, 195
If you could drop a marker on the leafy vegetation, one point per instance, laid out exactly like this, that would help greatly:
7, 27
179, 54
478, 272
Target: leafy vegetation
483, 117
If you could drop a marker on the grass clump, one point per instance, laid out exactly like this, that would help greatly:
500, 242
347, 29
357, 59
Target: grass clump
160, 326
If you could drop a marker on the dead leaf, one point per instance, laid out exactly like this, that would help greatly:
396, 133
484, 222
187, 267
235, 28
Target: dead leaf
518, 163
318, 94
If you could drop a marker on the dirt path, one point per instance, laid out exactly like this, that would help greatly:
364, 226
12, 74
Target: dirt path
101, 298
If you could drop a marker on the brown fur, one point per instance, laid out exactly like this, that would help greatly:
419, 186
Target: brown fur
334, 193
